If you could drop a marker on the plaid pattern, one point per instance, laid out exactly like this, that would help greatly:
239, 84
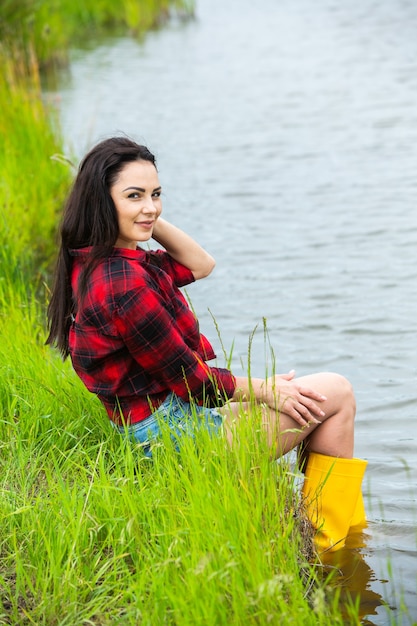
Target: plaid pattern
134, 338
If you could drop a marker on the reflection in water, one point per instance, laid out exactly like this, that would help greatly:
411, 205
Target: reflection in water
286, 138
350, 572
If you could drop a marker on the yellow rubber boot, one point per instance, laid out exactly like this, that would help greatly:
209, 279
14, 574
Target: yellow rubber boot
359, 515
331, 489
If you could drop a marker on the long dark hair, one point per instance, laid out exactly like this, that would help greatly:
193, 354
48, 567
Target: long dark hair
89, 219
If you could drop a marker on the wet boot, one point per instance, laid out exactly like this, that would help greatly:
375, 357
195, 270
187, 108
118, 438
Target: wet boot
333, 498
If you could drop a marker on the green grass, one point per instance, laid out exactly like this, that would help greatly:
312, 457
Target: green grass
33, 183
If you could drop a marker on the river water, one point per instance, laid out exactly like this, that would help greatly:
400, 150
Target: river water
286, 137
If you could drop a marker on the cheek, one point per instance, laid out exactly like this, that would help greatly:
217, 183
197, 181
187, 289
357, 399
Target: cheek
123, 214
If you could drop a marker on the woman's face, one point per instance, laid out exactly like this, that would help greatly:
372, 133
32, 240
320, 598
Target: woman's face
136, 194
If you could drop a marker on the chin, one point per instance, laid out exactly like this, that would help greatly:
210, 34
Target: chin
145, 238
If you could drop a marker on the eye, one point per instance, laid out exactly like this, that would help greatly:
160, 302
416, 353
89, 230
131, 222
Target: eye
156, 194
134, 194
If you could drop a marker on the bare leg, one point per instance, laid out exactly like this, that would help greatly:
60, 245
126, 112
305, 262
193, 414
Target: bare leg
333, 437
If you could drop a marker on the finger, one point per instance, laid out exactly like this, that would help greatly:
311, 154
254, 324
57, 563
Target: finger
288, 376
299, 413
308, 413
296, 417
310, 393
311, 408
302, 403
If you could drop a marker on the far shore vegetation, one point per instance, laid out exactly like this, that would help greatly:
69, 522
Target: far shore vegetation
92, 532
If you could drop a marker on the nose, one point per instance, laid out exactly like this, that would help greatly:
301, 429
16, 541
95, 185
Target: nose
148, 205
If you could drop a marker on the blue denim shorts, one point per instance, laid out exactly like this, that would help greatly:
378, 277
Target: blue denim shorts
181, 419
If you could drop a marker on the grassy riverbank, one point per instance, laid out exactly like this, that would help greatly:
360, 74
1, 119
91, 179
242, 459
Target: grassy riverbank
92, 533
33, 180
52, 26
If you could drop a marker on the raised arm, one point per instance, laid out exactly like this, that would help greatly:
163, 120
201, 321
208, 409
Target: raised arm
183, 248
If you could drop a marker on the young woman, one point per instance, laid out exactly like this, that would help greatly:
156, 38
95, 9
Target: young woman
117, 311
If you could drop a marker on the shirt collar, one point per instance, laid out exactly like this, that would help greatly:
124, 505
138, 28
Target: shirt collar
117, 252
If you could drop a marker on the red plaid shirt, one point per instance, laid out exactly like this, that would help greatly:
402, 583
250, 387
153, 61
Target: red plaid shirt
134, 338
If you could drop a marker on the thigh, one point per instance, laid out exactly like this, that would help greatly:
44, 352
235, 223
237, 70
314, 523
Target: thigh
283, 433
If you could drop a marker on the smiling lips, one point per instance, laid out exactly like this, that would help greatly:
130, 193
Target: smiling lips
146, 225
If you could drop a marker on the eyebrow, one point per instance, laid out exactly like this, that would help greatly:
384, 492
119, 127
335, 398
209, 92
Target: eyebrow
141, 189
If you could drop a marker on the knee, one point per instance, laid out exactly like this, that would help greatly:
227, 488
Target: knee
346, 395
